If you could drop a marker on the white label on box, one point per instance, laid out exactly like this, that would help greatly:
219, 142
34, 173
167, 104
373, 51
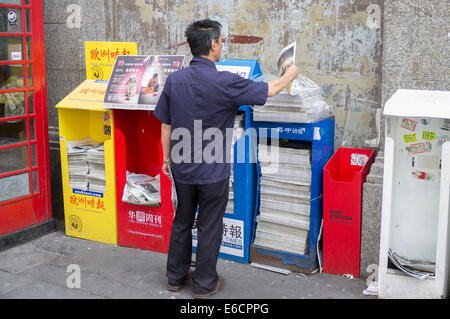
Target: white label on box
243, 71
317, 134
428, 161
233, 237
16, 56
359, 159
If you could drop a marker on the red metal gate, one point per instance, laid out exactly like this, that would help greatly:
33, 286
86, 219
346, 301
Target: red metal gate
24, 157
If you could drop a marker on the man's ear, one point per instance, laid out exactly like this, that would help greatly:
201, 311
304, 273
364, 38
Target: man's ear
213, 43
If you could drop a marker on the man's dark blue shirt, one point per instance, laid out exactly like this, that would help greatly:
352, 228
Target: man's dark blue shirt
200, 92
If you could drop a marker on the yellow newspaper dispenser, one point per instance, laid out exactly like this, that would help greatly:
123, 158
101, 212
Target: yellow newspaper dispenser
87, 164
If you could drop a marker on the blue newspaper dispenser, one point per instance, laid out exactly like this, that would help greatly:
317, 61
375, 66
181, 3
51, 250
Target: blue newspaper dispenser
320, 135
238, 225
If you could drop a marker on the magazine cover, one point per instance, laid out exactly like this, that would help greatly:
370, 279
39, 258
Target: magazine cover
125, 81
137, 81
158, 69
285, 58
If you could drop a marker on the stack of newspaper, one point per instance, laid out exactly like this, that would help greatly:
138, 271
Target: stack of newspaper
78, 164
285, 193
304, 104
96, 162
142, 189
238, 132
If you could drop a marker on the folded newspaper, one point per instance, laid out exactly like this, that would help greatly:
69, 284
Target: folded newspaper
174, 194
141, 189
286, 58
410, 268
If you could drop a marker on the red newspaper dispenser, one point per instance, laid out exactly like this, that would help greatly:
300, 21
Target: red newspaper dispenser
343, 177
139, 151
144, 215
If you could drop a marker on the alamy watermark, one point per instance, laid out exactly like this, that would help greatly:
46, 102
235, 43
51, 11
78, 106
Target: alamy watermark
73, 272
211, 146
74, 16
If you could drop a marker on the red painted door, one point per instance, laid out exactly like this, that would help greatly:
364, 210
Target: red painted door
24, 157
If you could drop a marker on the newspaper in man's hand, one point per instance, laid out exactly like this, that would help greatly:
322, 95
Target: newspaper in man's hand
286, 58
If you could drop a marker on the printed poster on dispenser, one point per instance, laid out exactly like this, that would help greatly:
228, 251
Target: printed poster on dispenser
232, 237
137, 81
100, 57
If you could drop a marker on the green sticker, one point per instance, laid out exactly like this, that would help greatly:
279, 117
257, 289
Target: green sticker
430, 136
410, 138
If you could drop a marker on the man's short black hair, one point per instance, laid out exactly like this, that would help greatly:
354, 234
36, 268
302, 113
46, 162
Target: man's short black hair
200, 35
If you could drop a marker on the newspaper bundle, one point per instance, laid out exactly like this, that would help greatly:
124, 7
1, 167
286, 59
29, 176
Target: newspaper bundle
96, 162
285, 192
142, 189
303, 107
86, 163
300, 102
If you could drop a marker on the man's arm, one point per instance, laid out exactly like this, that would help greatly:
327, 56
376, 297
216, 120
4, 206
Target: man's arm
166, 131
248, 92
277, 85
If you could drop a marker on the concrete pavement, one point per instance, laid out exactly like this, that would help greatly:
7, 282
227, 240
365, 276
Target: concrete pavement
41, 269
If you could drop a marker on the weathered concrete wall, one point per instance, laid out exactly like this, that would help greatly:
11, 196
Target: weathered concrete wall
416, 46
339, 43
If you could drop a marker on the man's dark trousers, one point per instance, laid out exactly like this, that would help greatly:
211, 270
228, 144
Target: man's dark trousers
212, 201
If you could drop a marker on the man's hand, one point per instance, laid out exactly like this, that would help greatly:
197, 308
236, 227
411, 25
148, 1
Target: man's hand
277, 85
165, 169
291, 72
166, 131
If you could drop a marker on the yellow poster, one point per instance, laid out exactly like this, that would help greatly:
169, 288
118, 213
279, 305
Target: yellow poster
100, 57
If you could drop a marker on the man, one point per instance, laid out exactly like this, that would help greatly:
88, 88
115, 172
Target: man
201, 95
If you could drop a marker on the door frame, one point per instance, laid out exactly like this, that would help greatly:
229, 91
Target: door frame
34, 208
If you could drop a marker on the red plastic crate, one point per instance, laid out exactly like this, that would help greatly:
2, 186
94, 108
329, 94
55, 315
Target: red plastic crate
343, 177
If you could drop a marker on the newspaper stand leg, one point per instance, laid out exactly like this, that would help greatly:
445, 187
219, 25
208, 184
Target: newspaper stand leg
320, 136
139, 150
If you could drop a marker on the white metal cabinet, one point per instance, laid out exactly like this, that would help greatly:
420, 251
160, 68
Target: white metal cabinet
416, 188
